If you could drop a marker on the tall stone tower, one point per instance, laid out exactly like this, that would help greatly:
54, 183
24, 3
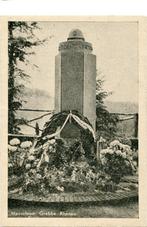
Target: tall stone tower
75, 77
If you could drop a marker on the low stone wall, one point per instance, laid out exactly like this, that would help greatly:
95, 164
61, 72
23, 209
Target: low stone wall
63, 198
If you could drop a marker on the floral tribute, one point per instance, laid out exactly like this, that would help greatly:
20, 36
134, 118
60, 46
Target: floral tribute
57, 167
17, 155
53, 167
117, 160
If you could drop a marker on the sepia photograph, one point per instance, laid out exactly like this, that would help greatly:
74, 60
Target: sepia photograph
73, 110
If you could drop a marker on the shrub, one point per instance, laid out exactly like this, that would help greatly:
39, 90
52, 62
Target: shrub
117, 160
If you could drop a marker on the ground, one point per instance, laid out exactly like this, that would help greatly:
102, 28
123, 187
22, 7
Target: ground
123, 210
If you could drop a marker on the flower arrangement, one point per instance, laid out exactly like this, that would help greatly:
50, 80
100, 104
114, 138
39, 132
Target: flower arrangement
17, 155
57, 167
116, 160
26, 144
14, 142
49, 179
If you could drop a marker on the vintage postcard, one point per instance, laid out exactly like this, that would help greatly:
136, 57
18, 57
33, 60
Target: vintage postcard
73, 120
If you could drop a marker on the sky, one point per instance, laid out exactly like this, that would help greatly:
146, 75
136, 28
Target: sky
115, 45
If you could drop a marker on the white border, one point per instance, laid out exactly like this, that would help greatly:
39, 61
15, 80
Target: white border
127, 222
73, 7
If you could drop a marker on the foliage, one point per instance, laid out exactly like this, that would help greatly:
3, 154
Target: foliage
16, 160
59, 157
53, 167
58, 119
105, 183
21, 39
57, 167
117, 161
53, 179
135, 158
86, 140
105, 122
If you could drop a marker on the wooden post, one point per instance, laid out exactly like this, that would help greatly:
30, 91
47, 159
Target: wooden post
98, 149
37, 129
100, 146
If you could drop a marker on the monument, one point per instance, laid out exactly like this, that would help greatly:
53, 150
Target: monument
75, 80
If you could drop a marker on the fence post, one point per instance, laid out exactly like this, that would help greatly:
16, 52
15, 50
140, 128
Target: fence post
98, 149
100, 146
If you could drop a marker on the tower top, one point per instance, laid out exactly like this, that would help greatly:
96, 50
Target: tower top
75, 42
76, 34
